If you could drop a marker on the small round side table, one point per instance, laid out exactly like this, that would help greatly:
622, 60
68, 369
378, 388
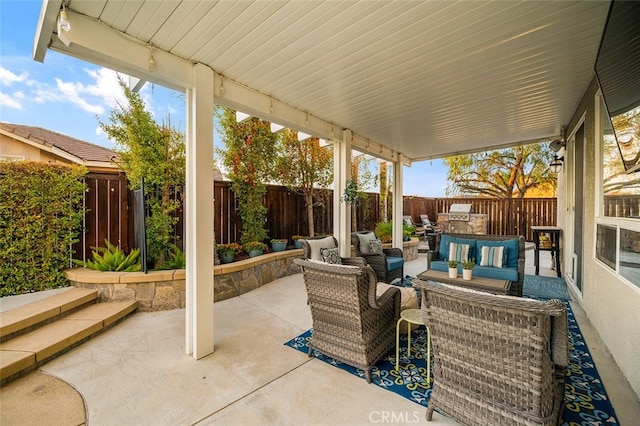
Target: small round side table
412, 316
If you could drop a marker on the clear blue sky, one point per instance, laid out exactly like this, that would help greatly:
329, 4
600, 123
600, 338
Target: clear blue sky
70, 96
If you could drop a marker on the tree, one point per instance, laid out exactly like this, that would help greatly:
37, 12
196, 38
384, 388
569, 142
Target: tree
365, 179
384, 192
249, 160
503, 173
304, 167
155, 152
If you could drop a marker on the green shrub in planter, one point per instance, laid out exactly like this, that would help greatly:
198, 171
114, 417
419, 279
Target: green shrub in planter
112, 258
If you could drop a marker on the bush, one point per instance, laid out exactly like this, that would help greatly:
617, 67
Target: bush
384, 231
177, 259
112, 258
40, 219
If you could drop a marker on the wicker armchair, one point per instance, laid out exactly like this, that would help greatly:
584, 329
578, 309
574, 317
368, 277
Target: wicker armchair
499, 360
350, 323
387, 265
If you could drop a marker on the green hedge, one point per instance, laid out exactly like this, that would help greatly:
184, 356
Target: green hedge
41, 216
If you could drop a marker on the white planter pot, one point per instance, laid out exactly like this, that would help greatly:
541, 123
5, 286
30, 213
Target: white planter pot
467, 274
453, 272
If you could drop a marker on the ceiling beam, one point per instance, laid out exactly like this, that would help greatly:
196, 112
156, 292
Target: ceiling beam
46, 24
93, 41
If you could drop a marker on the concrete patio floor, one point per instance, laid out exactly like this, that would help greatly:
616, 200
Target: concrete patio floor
138, 373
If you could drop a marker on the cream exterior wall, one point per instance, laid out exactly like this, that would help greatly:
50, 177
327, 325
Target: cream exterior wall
611, 304
10, 146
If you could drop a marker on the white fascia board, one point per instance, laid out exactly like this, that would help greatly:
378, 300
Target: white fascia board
242, 98
101, 164
486, 148
92, 41
44, 30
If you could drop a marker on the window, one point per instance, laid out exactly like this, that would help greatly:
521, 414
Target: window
630, 255
618, 224
620, 190
606, 245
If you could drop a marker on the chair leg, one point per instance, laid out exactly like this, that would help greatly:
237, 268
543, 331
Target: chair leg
367, 374
429, 415
309, 352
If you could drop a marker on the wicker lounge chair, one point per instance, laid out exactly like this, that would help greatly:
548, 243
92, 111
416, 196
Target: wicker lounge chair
350, 323
387, 265
499, 360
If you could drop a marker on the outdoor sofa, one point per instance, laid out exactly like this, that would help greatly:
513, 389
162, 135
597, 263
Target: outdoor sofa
509, 267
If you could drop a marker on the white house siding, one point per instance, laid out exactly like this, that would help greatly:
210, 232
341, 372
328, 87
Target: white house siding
611, 304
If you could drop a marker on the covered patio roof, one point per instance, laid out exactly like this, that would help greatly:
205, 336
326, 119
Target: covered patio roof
425, 79
401, 80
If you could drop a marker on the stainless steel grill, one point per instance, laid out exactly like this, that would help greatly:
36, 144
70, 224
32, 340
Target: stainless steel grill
460, 212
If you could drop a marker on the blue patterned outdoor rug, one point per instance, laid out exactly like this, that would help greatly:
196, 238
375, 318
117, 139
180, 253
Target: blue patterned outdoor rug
586, 401
545, 287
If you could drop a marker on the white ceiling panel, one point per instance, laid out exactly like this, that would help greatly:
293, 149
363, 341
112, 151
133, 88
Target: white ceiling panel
423, 78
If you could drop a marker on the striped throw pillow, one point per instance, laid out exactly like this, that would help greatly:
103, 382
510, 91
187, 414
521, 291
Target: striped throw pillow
459, 252
492, 256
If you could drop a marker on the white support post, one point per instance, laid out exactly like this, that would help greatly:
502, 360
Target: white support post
342, 211
199, 214
396, 215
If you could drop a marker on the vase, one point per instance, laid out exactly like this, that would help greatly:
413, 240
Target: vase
227, 257
467, 274
279, 246
453, 272
254, 253
298, 244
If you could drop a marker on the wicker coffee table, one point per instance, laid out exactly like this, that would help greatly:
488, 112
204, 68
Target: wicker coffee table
489, 285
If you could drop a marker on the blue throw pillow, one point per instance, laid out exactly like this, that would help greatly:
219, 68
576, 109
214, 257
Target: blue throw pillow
512, 247
445, 240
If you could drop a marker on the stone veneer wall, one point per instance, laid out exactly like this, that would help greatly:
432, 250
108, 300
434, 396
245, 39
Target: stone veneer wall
477, 224
165, 290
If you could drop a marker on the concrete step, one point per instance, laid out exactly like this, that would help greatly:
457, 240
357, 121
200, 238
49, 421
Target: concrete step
25, 318
28, 351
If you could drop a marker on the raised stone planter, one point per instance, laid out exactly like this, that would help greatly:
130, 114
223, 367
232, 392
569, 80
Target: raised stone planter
165, 290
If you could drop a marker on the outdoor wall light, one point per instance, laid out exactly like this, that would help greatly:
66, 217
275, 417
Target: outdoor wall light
556, 164
63, 20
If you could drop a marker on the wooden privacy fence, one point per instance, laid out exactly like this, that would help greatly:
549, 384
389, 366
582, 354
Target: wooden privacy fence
110, 213
107, 200
511, 216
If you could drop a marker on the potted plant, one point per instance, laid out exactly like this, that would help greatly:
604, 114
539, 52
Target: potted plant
467, 268
228, 252
297, 243
453, 269
254, 248
350, 194
279, 244
407, 232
